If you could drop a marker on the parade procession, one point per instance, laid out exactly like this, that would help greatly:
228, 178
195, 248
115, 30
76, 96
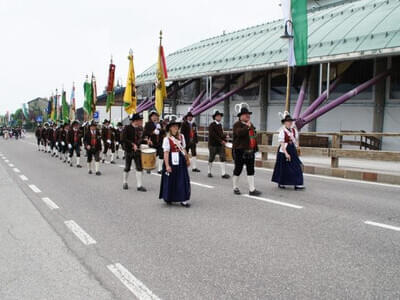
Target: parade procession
201, 150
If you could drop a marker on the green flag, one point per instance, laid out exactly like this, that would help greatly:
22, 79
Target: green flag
65, 107
87, 105
110, 100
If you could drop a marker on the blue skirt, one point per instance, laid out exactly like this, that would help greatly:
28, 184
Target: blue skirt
175, 186
288, 172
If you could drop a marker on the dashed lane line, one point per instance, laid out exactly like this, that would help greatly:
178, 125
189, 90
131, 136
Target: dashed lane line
386, 226
274, 201
50, 203
7, 161
23, 177
132, 283
81, 234
16, 170
34, 188
11, 165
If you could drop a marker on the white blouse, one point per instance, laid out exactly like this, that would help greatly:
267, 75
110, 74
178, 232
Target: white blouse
166, 145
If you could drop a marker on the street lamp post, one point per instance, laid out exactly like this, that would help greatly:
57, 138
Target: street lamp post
289, 37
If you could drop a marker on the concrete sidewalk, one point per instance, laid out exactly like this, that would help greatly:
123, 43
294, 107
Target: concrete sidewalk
35, 263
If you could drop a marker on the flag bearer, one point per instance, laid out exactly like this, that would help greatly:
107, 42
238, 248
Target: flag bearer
75, 143
244, 150
155, 134
108, 137
92, 141
132, 138
189, 131
216, 144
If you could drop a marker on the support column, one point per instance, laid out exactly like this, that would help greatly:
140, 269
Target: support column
379, 95
263, 100
227, 105
313, 93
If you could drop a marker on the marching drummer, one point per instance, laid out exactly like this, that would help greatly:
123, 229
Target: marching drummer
216, 142
108, 137
189, 131
154, 133
92, 141
132, 138
244, 149
288, 167
175, 181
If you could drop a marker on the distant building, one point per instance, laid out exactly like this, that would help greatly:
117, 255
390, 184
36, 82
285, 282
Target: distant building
37, 108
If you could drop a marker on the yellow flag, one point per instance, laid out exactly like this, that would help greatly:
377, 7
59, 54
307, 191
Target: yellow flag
161, 89
130, 99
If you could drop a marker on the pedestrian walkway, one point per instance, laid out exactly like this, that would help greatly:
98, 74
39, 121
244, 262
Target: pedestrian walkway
35, 263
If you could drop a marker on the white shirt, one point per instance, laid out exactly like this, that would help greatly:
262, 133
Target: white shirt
281, 135
166, 146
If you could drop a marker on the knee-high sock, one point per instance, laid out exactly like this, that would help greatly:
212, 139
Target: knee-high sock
235, 182
112, 157
69, 159
194, 162
139, 176
96, 166
78, 160
125, 177
160, 163
209, 167
89, 166
223, 168
250, 180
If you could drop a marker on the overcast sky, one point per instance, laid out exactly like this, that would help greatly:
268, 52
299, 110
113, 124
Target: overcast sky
49, 43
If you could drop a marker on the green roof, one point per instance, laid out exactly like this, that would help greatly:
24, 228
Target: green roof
363, 28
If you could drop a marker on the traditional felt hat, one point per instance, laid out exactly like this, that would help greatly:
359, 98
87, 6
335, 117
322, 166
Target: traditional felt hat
244, 110
189, 114
93, 123
119, 124
153, 112
136, 117
173, 120
106, 121
287, 118
75, 122
217, 113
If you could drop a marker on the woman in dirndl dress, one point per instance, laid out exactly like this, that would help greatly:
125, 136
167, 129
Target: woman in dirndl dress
288, 167
175, 181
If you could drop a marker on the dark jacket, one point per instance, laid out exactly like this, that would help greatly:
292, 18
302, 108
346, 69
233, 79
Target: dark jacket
71, 137
64, 134
215, 135
241, 137
149, 134
185, 130
108, 134
132, 135
118, 135
87, 139
50, 134
38, 133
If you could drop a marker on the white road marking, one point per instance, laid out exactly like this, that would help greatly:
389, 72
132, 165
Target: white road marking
16, 170
274, 201
23, 177
11, 165
6, 161
132, 283
79, 232
50, 203
35, 188
382, 225
191, 182
4, 158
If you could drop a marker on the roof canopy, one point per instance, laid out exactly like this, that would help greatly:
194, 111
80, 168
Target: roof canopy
337, 32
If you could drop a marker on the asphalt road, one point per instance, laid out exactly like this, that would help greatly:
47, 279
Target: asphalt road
337, 239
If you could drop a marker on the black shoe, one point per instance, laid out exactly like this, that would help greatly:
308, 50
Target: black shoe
125, 186
296, 187
90, 172
196, 170
210, 175
141, 189
112, 162
71, 165
159, 172
78, 166
255, 193
168, 202
117, 157
281, 186
148, 171
226, 176
103, 160
98, 173
123, 157
236, 191
185, 204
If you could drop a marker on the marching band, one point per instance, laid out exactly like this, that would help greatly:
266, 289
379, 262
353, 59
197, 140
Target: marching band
164, 145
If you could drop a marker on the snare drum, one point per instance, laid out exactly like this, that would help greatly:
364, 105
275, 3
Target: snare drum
149, 158
228, 152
